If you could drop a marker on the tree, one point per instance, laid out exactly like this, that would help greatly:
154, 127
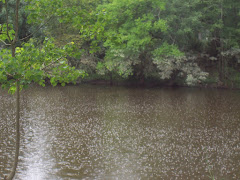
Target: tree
184, 21
66, 19
131, 31
24, 27
134, 36
220, 19
205, 30
20, 66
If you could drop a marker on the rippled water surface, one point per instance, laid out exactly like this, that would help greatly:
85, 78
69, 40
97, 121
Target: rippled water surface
92, 132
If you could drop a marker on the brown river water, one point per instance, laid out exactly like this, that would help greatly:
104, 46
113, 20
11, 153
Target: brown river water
101, 132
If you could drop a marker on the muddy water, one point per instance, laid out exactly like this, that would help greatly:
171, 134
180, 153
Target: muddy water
92, 132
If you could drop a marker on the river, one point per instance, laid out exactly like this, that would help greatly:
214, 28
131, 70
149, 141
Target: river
125, 133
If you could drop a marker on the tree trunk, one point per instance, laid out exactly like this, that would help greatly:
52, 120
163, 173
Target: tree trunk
14, 167
13, 48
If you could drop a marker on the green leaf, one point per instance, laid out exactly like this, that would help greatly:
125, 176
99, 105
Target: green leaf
12, 90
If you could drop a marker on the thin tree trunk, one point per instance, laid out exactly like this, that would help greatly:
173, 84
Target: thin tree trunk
13, 48
13, 171
224, 64
111, 79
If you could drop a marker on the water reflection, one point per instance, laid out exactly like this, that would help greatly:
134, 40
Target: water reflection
92, 132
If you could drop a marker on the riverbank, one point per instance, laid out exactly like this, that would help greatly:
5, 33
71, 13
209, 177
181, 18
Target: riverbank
150, 84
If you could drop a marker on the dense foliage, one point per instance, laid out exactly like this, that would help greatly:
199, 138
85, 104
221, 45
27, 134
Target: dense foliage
36, 64
175, 42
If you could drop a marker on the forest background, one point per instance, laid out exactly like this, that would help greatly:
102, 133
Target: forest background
156, 42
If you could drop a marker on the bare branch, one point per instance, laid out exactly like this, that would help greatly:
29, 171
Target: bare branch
5, 43
47, 21
44, 68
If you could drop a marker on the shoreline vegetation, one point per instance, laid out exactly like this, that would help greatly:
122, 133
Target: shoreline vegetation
132, 42
157, 83
147, 84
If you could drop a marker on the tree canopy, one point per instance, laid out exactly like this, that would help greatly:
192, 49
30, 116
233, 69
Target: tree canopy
182, 41
36, 64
